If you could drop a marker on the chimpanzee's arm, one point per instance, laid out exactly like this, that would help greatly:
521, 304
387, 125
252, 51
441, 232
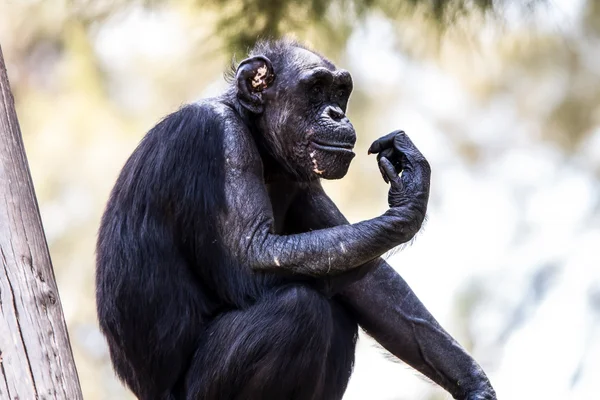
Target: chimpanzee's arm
247, 227
387, 308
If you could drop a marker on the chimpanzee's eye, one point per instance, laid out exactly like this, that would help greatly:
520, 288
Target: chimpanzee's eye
317, 89
342, 92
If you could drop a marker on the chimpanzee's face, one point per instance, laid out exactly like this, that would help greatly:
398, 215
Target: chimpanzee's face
304, 117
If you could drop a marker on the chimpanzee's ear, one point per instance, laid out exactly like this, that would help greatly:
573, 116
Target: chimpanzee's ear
253, 75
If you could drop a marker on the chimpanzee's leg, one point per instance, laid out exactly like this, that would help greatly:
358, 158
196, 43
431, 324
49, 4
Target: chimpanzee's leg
340, 359
276, 349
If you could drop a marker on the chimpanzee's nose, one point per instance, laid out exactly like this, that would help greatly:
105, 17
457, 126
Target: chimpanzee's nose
335, 113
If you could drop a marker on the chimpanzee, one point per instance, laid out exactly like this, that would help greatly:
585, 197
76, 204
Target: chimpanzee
225, 272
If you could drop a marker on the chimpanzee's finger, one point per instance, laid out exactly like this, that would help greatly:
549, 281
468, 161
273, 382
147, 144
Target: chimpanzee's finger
387, 153
388, 168
383, 142
383, 174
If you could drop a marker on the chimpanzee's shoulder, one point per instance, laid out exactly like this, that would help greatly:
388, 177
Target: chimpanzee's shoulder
238, 144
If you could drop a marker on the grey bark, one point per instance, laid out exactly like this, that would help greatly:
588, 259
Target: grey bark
36, 361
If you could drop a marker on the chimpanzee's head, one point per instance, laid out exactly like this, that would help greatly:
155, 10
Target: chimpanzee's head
298, 100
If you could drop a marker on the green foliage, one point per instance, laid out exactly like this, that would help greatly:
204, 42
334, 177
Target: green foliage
243, 21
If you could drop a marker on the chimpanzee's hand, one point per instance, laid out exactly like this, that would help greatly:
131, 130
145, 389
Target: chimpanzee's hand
397, 154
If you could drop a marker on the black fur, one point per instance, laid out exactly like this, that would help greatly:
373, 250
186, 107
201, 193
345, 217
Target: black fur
225, 272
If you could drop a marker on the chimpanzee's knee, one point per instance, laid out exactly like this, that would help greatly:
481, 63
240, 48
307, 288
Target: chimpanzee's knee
302, 306
275, 349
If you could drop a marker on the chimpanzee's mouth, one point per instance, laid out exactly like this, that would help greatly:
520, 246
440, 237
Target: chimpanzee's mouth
334, 147
330, 160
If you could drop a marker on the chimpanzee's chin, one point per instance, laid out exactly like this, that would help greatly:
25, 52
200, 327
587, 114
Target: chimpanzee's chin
330, 163
338, 173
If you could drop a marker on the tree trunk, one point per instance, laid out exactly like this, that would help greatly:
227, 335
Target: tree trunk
36, 361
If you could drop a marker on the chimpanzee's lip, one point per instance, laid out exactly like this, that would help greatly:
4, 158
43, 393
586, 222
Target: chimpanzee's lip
343, 147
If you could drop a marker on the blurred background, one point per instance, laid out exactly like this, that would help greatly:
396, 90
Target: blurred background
502, 97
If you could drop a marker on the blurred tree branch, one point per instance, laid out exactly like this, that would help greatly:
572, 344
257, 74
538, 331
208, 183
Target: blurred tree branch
243, 21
